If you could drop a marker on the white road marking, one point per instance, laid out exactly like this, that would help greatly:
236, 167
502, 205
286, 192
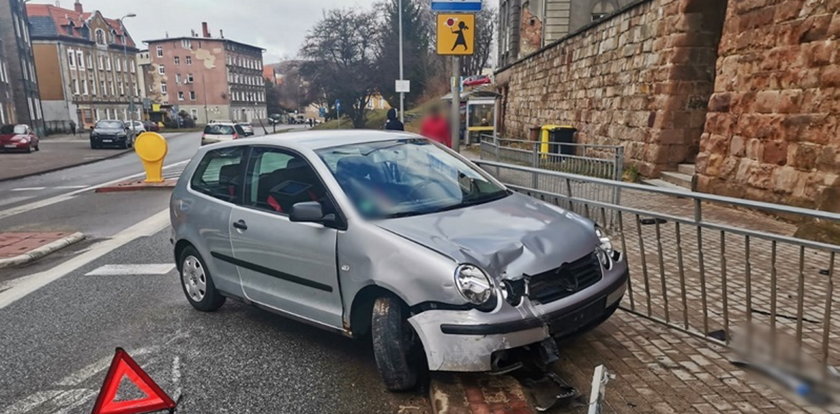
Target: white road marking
69, 187
71, 399
176, 376
67, 196
27, 404
29, 189
83, 374
132, 269
19, 288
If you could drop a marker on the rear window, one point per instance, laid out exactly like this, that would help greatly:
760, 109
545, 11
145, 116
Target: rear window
219, 174
216, 129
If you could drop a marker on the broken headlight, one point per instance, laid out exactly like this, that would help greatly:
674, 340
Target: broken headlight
604, 251
473, 284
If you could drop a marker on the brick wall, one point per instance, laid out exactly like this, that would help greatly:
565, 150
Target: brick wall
641, 78
772, 128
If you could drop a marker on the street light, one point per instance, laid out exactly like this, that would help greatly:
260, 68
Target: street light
133, 84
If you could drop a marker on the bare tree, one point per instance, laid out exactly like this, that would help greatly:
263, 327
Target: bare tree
341, 54
485, 23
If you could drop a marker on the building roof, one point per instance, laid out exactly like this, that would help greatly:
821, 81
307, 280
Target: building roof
218, 39
51, 22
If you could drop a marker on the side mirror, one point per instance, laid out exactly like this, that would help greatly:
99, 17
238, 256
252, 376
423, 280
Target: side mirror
307, 211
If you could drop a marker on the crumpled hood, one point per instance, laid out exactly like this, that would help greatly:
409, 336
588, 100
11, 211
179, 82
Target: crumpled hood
507, 238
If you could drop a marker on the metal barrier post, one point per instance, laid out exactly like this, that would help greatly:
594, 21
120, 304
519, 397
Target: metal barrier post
535, 162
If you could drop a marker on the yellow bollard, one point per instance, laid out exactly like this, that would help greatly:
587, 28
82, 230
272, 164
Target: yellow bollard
151, 148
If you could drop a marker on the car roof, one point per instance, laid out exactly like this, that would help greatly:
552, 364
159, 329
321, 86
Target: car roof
315, 140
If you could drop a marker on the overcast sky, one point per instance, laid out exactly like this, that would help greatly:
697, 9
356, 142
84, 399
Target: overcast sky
278, 26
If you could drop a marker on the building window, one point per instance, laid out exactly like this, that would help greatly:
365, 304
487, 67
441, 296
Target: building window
160, 51
4, 77
100, 37
177, 78
89, 60
190, 78
192, 95
107, 62
161, 70
84, 88
602, 9
75, 86
163, 88
92, 87
111, 88
80, 59
118, 64
189, 60
186, 43
71, 58
177, 60
101, 63
103, 88
133, 68
122, 89
180, 95
194, 113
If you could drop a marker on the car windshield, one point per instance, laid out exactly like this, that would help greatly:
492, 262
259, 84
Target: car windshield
407, 177
218, 129
20, 129
109, 124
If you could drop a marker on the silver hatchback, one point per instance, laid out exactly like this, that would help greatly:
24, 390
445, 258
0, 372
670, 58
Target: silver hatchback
393, 236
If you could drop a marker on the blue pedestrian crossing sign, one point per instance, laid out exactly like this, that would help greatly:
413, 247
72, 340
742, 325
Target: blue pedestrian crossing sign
456, 5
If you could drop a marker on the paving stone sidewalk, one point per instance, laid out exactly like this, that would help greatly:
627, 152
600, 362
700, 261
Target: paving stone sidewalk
15, 244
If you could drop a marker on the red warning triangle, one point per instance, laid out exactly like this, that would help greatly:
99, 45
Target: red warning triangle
123, 366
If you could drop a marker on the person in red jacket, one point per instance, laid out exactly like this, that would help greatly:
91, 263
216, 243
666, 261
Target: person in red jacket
436, 127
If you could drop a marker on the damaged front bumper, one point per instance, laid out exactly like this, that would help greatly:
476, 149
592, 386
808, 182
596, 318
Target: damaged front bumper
466, 340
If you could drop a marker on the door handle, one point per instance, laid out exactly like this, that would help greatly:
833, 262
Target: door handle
240, 225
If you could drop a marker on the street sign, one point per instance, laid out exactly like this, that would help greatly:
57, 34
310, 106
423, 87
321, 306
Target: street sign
403, 86
455, 34
456, 5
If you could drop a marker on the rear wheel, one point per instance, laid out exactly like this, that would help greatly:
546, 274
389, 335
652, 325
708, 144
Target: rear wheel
196, 282
396, 347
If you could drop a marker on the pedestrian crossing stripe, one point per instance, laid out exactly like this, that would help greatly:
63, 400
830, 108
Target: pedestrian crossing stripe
132, 269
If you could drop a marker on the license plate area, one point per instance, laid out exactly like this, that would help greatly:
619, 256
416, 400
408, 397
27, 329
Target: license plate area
577, 319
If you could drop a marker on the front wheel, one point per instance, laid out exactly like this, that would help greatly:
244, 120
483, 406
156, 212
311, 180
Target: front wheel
196, 282
396, 347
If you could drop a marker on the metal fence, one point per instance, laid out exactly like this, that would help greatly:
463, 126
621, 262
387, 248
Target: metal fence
716, 267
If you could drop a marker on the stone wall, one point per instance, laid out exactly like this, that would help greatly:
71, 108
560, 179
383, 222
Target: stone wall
772, 128
641, 78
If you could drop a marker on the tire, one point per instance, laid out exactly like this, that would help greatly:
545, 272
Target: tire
396, 347
197, 283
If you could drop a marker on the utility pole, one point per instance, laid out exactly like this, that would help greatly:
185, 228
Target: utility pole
456, 104
402, 94
132, 83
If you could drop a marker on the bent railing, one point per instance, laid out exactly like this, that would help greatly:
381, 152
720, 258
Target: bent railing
720, 268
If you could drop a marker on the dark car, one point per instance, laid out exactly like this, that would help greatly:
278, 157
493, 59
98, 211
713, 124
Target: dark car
110, 133
18, 138
151, 126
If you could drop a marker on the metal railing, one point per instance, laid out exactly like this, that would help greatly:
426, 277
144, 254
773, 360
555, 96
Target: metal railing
601, 161
715, 267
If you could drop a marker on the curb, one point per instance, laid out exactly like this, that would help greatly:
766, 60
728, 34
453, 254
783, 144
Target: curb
135, 185
42, 251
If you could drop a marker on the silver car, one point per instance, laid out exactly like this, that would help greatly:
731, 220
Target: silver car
393, 236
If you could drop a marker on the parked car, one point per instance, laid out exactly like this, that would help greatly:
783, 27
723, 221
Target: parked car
18, 137
137, 127
110, 133
219, 132
244, 129
151, 126
391, 235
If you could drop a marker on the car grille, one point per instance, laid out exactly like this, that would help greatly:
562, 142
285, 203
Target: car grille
565, 280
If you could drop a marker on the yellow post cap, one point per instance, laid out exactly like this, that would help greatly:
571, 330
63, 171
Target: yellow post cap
150, 146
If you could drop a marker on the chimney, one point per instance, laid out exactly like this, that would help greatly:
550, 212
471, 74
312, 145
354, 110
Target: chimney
78, 7
221, 33
204, 30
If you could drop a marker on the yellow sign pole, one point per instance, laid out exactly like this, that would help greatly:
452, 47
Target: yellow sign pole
151, 147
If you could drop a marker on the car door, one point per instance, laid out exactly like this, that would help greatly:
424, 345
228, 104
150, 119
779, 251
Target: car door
288, 266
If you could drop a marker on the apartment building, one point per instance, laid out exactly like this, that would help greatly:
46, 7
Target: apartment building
87, 63
525, 26
23, 106
209, 77
7, 105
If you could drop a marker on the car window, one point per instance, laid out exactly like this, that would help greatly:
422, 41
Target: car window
109, 124
219, 174
405, 177
218, 129
20, 129
277, 180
